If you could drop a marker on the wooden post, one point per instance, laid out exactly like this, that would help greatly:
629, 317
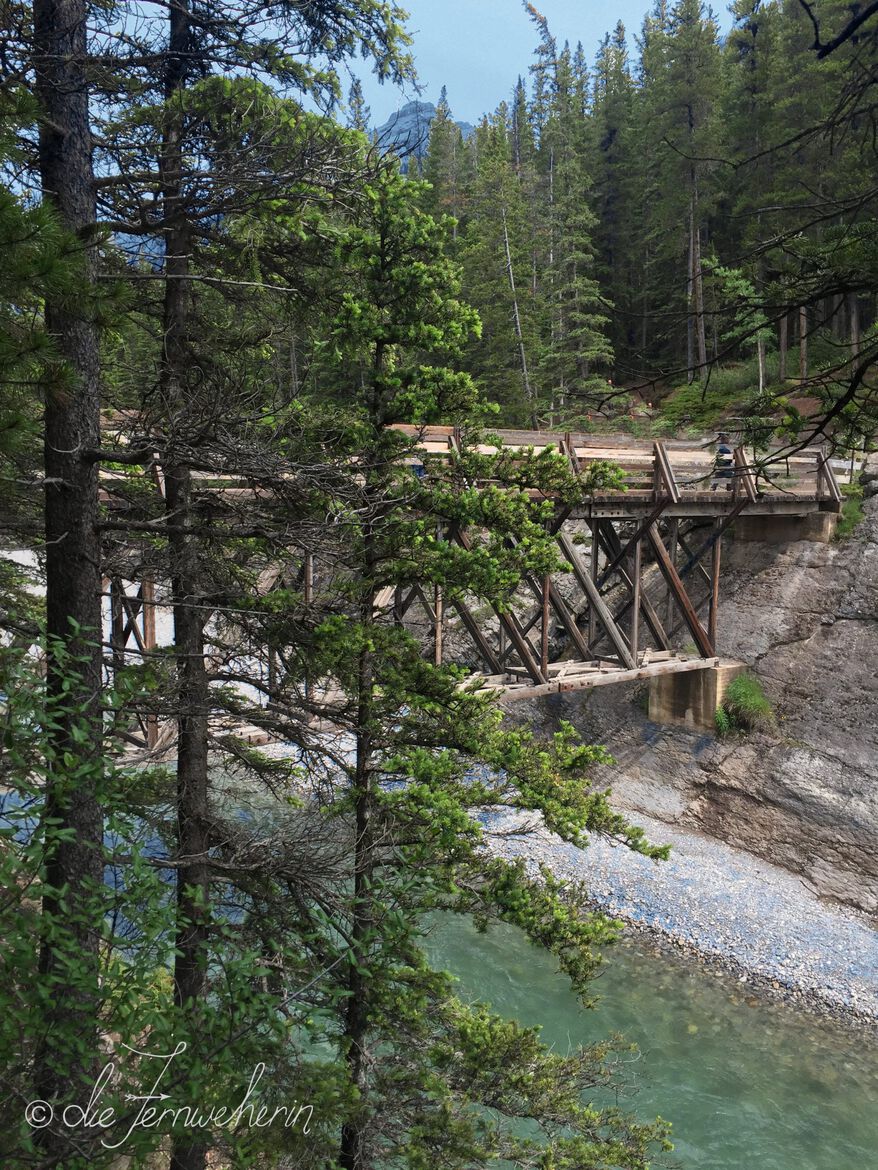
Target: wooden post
594, 564
716, 554
672, 577
635, 605
544, 642
674, 532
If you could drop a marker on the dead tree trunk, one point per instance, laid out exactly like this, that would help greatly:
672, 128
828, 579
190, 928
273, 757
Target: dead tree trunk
66, 1058
516, 317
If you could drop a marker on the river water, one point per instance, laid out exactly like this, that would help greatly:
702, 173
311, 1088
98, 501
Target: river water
748, 1085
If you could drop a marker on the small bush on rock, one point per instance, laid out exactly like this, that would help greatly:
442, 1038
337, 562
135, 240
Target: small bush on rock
745, 707
851, 510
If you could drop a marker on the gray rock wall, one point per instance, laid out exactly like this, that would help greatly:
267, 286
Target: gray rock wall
803, 616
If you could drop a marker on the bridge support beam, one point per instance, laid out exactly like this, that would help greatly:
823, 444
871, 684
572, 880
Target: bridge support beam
815, 526
690, 698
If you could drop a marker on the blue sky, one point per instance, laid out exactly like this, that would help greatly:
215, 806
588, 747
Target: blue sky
478, 47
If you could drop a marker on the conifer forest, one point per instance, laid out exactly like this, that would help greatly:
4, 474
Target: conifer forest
242, 784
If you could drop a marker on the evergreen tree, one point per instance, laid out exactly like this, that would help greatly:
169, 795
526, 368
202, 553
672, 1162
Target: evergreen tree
445, 166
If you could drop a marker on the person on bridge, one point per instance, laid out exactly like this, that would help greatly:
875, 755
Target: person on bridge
723, 464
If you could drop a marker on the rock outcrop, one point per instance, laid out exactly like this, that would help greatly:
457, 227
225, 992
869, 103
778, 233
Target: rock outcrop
803, 615
407, 131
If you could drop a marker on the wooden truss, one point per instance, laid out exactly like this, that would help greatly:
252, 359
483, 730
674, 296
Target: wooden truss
643, 576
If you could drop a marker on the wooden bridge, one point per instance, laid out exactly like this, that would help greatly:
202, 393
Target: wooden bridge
640, 598
644, 559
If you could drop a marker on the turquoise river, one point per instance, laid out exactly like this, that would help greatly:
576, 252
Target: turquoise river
748, 1085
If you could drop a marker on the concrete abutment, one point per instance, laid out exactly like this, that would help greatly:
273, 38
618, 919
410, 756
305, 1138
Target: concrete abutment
690, 698
775, 529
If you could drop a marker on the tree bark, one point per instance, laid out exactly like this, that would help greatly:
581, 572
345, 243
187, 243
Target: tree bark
698, 287
193, 830
782, 330
854, 319
803, 343
690, 298
67, 1056
352, 1149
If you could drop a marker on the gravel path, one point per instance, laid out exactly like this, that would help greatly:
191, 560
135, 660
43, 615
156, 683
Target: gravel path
754, 918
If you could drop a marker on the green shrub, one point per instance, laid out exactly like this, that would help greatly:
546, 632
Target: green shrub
745, 706
851, 510
723, 723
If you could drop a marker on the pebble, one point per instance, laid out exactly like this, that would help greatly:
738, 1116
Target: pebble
730, 909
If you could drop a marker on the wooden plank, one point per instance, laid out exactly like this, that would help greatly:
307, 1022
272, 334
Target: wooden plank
601, 679
132, 608
714, 590
544, 628
594, 563
669, 572
635, 540
612, 543
564, 615
826, 478
591, 591
744, 475
475, 632
666, 472
509, 621
694, 561
718, 531
635, 603
672, 552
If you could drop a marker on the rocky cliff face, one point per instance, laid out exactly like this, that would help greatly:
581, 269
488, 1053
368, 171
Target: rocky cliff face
407, 131
803, 615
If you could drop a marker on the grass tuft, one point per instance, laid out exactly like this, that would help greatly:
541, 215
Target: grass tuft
745, 706
851, 510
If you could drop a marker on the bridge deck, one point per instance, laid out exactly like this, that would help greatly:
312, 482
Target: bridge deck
641, 579
565, 677
681, 470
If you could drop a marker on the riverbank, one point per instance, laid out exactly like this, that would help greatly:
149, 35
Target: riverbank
728, 908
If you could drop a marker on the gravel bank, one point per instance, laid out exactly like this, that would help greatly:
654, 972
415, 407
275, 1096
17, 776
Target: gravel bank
731, 908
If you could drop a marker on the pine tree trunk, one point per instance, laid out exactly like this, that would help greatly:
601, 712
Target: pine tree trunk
690, 298
67, 1057
193, 877
803, 343
698, 288
760, 359
782, 330
854, 320
193, 834
352, 1152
